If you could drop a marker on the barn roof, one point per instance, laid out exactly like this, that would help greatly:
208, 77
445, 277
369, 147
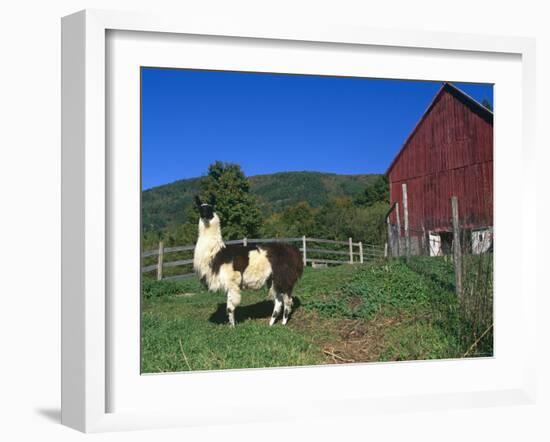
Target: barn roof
462, 96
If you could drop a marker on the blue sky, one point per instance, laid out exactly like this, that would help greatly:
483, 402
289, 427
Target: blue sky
271, 123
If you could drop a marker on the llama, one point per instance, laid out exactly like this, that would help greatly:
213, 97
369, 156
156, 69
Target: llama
233, 268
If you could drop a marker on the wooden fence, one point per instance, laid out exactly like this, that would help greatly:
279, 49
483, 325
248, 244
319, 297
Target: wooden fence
353, 252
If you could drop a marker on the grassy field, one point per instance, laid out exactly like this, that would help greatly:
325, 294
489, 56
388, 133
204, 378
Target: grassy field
381, 311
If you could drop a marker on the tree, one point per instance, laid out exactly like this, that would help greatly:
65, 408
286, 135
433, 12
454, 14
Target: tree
368, 224
227, 186
183, 233
377, 191
296, 220
332, 219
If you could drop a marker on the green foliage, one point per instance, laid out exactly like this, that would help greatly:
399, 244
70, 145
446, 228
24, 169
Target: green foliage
296, 220
166, 205
332, 221
238, 210
474, 314
150, 240
416, 340
340, 219
174, 234
279, 191
389, 285
376, 191
369, 224
151, 288
293, 204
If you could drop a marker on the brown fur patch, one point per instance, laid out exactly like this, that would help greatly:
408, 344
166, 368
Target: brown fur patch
235, 254
286, 264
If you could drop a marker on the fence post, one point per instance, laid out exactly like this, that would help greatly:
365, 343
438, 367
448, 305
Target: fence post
398, 229
390, 241
406, 220
245, 242
304, 254
160, 260
424, 248
457, 251
350, 250
361, 252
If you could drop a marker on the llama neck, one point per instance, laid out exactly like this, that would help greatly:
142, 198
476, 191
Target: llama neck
208, 244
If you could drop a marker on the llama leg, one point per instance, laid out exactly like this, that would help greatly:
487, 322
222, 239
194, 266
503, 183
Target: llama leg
278, 305
287, 299
233, 300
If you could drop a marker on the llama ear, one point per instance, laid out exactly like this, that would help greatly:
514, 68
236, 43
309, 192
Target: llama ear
197, 201
212, 200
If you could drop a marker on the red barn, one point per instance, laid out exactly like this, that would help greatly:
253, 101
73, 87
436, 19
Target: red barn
448, 153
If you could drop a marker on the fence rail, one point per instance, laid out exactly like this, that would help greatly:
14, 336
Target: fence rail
356, 252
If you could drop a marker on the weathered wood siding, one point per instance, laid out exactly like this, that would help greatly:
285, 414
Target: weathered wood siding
449, 153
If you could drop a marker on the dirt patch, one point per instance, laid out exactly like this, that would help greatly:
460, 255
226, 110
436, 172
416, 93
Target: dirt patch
360, 340
305, 321
346, 340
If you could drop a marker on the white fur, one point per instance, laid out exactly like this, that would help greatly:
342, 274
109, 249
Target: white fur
287, 300
258, 270
278, 305
208, 244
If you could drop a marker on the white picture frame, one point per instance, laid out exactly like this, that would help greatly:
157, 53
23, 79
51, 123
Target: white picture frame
87, 204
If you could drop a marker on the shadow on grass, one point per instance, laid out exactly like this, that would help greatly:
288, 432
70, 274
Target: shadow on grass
262, 309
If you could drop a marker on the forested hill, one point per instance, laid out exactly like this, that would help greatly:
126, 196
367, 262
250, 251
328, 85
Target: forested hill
167, 204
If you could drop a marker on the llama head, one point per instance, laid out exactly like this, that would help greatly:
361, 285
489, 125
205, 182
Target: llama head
206, 210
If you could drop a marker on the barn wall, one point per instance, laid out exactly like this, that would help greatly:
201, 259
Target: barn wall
449, 154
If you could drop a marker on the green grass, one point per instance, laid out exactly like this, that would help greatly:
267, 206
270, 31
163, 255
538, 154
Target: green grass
381, 311
195, 326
